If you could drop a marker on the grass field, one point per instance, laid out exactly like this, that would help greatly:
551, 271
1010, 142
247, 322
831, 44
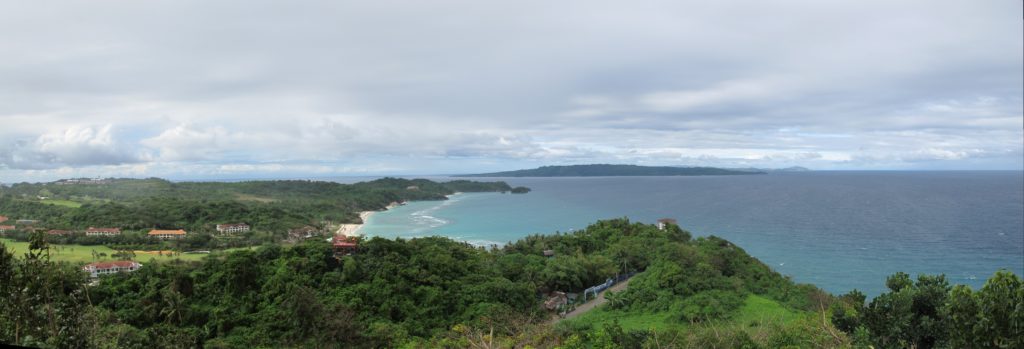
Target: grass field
755, 309
65, 203
83, 254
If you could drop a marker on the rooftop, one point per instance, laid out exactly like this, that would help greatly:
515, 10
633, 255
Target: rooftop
166, 232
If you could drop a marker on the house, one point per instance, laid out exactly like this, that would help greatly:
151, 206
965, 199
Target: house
549, 253
232, 228
3, 219
26, 221
7, 228
102, 231
557, 299
58, 232
664, 222
299, 234
344, 245
167, 234
104, 268
412, 187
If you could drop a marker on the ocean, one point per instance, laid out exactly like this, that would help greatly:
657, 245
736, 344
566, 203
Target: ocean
840, 230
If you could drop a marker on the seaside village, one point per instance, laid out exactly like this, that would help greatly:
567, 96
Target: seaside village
557, 302
123, 263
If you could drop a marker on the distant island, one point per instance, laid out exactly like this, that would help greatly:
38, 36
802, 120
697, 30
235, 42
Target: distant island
597, 170
770, 170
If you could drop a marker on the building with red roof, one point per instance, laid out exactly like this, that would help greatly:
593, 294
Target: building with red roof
105, 268
345, 244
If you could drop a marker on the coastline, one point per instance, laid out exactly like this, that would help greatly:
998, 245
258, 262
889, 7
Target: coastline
352, 229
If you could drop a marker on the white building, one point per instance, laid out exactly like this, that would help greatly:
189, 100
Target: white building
232, 228
105, 268
664, 222
102, 231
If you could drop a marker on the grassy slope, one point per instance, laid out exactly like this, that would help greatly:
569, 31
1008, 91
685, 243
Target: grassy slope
83, 254
756, 309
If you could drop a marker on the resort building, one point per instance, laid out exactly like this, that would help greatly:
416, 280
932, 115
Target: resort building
7, 228
102, 231
167, 234
26, 221
3, 219
105, 268
664, 222
58, 232
344, 245
232, 228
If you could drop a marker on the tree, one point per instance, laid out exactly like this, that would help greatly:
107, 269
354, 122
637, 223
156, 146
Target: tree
1001, 312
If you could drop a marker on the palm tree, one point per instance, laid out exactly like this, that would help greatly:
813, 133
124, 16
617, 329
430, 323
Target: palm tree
174, 306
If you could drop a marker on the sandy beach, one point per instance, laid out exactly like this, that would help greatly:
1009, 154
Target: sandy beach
353, 229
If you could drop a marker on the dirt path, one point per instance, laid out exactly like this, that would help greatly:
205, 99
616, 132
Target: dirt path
588, 306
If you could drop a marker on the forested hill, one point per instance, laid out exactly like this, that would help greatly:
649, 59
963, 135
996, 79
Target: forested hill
614, 170
266, 205
435, 292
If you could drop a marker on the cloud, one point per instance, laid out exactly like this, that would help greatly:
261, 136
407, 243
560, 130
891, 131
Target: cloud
451, 86
74, 146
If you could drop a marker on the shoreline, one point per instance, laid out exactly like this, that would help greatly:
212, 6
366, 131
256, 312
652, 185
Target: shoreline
352, 229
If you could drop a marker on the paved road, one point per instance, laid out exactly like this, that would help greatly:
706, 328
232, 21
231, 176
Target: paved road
588, 306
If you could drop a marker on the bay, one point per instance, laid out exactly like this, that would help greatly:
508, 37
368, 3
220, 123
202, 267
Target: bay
840, 230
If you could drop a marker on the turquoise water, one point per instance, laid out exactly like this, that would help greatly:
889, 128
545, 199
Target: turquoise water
838, 230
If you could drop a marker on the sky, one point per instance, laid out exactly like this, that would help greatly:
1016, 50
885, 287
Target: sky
186, 89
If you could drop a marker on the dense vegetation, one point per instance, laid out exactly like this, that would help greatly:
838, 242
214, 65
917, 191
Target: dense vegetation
270, 207
435, 292
615, 170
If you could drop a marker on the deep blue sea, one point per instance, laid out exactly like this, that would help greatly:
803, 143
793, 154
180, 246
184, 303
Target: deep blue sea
838, 230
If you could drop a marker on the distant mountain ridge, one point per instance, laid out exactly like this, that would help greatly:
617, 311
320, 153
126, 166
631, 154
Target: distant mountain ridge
596, 170
769, 170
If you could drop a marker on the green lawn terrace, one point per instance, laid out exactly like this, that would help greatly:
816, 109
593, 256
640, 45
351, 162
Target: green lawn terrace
82, 254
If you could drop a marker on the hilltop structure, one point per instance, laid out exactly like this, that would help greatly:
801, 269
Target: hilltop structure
664, 222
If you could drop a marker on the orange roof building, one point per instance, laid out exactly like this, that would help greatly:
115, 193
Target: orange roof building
7, 228
167, 234
3, 219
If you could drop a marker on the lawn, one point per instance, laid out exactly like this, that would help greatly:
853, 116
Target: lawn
65, 203
83, 254
755, 309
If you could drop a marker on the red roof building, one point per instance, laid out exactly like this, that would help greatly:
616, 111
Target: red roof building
7, 228
3, 219
104, 268
345, 244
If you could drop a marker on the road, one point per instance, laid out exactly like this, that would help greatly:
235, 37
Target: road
588, 306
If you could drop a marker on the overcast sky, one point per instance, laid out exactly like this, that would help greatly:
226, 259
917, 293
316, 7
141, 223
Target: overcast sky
234, 89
